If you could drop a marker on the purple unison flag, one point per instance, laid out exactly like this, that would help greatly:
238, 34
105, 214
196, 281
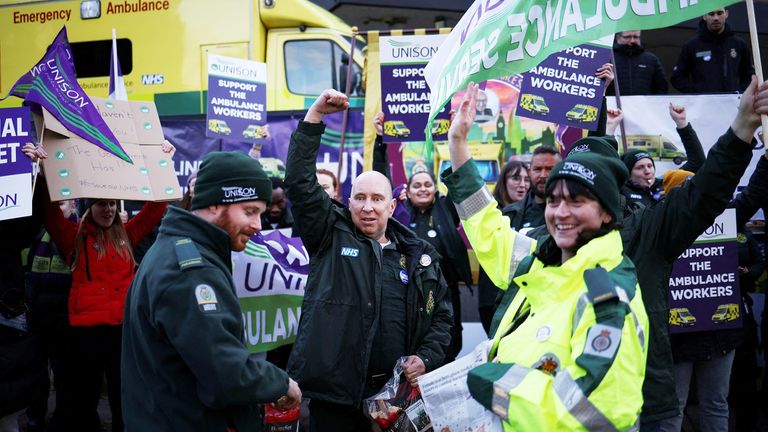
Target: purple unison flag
52, 84
24, 84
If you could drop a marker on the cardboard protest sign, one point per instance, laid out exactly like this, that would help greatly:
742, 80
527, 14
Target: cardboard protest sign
15, 167
704, 284
270, 276
507, 37
563, 89
404, 92
76, 169
237, 99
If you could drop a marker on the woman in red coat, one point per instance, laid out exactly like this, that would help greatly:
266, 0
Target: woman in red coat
100, 253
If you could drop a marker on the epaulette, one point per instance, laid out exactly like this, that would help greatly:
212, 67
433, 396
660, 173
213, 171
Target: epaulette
187, 254
600, 286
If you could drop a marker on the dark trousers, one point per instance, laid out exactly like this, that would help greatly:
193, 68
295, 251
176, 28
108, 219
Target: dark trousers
48, 320
91, 353
331, 417
744, 399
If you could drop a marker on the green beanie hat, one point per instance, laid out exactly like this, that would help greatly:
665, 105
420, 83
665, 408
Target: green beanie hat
605, 145
631, 157
602, 175
230, 177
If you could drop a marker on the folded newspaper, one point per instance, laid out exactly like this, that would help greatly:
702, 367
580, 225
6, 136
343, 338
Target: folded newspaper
448, 401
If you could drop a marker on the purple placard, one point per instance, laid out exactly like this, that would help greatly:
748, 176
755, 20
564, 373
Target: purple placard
404, 91
704, 289
563, 88
14, 133
237, 99
405, 102
192, 145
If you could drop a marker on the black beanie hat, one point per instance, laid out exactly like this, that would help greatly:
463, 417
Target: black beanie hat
230, 177
631, 157
602, 175
87, 203
605, 145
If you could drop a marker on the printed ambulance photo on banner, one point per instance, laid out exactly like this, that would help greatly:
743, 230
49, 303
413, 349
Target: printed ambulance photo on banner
516, 135
396, 128
534, 104
219, 126
681, 317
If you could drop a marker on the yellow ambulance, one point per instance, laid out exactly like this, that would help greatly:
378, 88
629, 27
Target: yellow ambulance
163, 47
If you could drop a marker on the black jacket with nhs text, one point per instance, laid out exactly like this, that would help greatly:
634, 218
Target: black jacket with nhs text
341, 308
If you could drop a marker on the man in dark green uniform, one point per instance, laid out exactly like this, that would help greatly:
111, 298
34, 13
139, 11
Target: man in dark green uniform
185, 366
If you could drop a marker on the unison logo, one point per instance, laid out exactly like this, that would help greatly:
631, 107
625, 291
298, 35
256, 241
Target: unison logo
579, 170
414, 52
60, 78
238, 192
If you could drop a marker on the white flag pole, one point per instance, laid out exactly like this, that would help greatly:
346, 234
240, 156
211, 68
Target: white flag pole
756, 54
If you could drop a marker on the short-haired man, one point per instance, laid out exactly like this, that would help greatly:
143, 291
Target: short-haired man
529, 211
638, 72
375, 292
185, 366
277, 215
715, 60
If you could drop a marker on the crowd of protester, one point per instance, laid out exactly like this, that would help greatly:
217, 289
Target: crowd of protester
581, 261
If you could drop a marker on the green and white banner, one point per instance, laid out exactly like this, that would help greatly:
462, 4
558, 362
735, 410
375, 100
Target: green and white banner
270, 276
497, 38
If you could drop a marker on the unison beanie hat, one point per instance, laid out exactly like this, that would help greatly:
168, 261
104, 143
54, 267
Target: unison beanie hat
602, 175
604, 145
674, 178
631, 157
230, 177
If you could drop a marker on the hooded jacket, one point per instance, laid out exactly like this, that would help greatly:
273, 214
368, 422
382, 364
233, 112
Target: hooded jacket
637, 72
341, 308
653, 238
556, 369
99, 285
713, 63
585, 339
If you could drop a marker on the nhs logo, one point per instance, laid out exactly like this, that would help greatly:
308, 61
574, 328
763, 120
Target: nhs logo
152, 79
350, 252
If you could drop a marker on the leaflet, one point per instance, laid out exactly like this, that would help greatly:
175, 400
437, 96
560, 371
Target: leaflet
448, 401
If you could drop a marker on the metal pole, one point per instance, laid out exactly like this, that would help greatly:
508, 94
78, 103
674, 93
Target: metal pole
345, 115
618, 101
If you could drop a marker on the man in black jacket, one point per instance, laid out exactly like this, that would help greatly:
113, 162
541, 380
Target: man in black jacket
715, 60
374, 294
637, 72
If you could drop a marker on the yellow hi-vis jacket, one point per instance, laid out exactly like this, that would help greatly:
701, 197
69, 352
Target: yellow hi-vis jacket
570, 350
